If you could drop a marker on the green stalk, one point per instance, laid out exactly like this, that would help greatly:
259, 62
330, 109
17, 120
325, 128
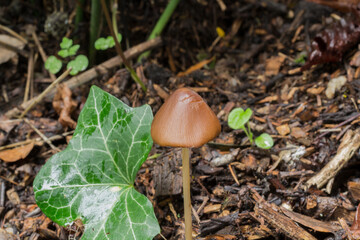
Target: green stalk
161, 23
79, 13
118, 48
94, 28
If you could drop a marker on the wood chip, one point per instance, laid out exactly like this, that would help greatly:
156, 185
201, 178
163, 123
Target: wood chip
311, 222
354, 189
273, 64
212, 208
283, 129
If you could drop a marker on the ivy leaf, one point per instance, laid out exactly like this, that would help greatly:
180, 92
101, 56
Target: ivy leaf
264, 141
66, 43
79, 64
92, 179
238, 117
53, 64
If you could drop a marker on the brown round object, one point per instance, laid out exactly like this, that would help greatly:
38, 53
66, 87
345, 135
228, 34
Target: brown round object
184, 120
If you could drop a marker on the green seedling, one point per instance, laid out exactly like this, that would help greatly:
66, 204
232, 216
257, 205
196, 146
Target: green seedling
92, 180
237, 120
106, 43
78, 64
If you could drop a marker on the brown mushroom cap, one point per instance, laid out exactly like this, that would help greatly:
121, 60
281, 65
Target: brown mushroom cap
184, 120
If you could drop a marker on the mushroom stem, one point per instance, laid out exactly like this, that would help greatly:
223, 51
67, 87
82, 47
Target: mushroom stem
185, 153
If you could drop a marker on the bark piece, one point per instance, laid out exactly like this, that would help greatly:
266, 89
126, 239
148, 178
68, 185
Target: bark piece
272, 215
167, 178
349, 145
311, 222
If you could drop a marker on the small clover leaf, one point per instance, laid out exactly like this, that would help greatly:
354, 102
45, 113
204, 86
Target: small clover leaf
238, 117
63, 53
79, 64
73, 49
66, 43
92, 180
110, 41
105, 43
264, 141
101, 44
53, 64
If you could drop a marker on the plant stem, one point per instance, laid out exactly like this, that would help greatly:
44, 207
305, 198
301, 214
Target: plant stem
119, 50
185, 153
161, 23
79, 13
247, 134
94, 28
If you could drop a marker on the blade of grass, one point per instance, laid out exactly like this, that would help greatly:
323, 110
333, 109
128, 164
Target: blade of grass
161, 23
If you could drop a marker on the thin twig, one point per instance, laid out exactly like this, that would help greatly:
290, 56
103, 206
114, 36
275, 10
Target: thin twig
43, 94
30, 71
2, 27
118, 47
42, 52
47, 140
36, 140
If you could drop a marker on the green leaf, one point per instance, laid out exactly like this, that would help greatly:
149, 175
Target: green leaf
63, 53
66, 43
73, 49
79, 64
92, 179
264, 141
238, 117
53, 64
101, 44
110, 41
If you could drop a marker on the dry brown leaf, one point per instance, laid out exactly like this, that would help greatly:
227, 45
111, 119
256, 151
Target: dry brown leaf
195, 67
5, 54
64, 106
273, 65
15, 154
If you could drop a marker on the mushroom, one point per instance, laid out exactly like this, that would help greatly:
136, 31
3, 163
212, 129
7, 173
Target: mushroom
185, 121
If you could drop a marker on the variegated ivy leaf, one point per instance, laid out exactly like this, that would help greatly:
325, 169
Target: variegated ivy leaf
92, 179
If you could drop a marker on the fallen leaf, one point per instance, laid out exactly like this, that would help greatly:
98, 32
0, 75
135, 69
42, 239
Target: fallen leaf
5, 54
331, 44
15, 154
64, 106
354, 189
